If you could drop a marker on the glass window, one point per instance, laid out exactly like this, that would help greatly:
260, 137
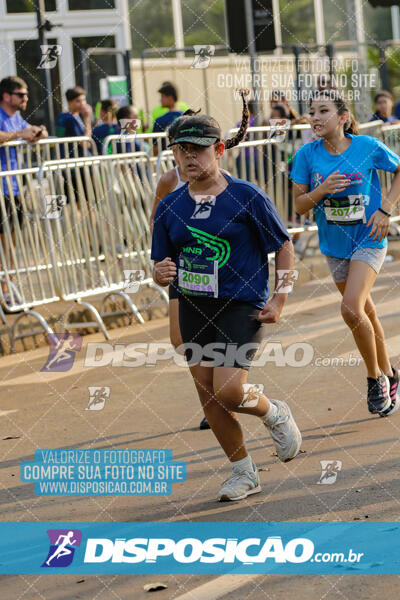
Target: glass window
98, 66
298, 23
90, 4
339, 25
28, 57
23, 6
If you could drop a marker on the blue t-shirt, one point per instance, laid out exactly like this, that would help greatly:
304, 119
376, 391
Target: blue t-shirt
10, 123
239, 230
312, 165
163, 122
69, 125
132, 146
100, 133
378, 117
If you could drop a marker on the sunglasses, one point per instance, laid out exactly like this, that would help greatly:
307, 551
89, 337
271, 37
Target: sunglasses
19, 94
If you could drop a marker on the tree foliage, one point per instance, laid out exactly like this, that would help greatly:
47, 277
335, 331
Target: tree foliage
152, 23
204, 22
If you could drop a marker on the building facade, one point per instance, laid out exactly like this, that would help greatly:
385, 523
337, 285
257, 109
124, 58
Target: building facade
77, 25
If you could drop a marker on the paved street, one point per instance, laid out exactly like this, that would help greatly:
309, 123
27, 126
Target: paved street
156, 407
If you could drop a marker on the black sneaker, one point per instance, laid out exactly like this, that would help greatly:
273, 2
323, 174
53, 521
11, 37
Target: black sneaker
394, 383
204, 424
378, 394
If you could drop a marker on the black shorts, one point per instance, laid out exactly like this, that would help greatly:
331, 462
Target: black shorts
233, 325
173, 290
18, 207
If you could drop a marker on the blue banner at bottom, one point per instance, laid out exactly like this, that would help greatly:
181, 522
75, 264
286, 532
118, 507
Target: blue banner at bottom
199, 548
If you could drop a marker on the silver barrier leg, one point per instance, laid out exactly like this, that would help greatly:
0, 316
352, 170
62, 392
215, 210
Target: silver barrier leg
3, 316
161, 290
394, 229
45, 328
133, 308
160, 300
98, 322
309, 244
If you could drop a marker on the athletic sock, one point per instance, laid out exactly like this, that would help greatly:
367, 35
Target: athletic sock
244, 464
270, 414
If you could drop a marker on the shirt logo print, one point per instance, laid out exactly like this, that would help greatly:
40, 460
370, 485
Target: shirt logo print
203, 207
317, 179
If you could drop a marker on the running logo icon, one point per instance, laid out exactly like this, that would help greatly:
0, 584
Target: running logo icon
54, 205
202, 57
317, 179
50, 56
133, 280
252, 392
62, 354
97, 397
129, 126
63, 543
204, 206
279, 129
286, 279
329, 471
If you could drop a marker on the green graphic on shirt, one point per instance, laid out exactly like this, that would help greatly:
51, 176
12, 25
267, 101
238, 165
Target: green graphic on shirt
191, 250
220, 246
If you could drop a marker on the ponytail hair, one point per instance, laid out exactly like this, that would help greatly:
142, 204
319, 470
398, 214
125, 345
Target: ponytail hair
190, 112
351, 125
236, 139
342, 107
110, 107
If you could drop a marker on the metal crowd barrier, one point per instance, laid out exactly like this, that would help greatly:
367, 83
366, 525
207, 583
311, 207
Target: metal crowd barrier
104, 233
32, 154
263, 162
126, 143
165, 162
86, 225
300, 134
26, 271
373, 128
85, 233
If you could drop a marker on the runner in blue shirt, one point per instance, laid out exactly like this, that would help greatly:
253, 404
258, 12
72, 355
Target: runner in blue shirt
170, 182
215, 234
337, 176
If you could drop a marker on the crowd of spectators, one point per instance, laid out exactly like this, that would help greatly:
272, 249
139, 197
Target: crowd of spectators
78, 119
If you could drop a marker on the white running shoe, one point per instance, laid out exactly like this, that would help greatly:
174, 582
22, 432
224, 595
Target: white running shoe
284, 432
240, 485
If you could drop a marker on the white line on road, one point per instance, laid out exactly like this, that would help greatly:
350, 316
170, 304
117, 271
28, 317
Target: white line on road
219, 587
3, 413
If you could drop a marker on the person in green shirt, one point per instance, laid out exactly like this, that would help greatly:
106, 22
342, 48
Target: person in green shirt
162, 108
